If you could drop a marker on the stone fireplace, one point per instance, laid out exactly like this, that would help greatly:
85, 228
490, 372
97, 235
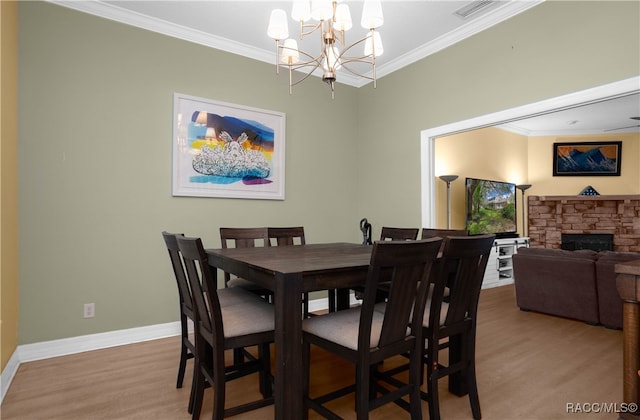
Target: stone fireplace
618, 215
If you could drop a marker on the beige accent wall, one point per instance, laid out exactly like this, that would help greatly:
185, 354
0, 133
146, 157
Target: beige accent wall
8, 182
95, 101
541, 167
522, 160
489, 153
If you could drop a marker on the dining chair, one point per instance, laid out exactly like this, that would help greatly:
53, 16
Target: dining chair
245, 238
389, 234
227, 318
456, 328
451, 324
187, 347
366, 335
290, 236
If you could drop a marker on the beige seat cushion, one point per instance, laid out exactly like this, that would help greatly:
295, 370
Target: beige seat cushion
342, 327
244, 312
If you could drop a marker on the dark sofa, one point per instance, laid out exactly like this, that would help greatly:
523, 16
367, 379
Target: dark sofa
573, 284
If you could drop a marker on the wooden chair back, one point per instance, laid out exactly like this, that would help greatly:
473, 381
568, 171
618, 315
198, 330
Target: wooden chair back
405, 268
243, 238
187, 347
287, 236
398, 234
468, 256
443, 233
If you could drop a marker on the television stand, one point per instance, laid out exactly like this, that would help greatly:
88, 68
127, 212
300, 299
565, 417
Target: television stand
505, 235
499, 271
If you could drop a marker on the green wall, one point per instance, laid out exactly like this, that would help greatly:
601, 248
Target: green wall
95, 111
95, 127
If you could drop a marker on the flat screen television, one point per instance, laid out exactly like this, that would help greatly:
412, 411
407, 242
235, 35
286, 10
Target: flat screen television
491, 207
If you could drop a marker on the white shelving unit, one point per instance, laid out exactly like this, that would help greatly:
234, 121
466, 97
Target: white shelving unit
500, 266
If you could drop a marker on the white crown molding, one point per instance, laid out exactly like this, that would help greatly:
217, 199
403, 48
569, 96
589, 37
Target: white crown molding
496, 16
128, 17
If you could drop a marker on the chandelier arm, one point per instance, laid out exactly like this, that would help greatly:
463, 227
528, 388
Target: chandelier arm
311, 28
346, 67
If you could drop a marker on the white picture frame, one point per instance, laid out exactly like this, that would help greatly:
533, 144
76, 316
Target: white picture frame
226, 150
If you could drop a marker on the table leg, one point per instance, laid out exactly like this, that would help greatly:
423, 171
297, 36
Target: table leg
631, 357
342, 299
288, 343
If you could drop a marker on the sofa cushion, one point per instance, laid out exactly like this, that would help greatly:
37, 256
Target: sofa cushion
609, 302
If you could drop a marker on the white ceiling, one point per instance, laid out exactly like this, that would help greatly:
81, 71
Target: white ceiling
412, 30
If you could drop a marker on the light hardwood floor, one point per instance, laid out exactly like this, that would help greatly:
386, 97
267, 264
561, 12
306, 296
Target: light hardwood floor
530, 366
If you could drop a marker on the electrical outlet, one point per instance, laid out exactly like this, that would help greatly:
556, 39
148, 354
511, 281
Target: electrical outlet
89, 310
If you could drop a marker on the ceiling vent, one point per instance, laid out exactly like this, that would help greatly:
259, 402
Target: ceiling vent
473, 8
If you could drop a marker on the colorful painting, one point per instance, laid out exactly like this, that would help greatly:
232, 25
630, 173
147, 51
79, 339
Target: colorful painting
587, 159
227, 150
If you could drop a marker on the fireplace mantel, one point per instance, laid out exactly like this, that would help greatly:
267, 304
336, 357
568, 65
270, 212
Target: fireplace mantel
588, 197
551, 216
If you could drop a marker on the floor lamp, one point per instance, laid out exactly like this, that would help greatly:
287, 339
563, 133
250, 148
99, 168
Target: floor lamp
523, 188
448, 179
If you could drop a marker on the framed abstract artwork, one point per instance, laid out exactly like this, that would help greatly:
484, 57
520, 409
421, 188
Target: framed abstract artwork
227, 150
587, 158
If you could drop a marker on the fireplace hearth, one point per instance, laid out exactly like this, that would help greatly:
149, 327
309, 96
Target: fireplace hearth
593, 241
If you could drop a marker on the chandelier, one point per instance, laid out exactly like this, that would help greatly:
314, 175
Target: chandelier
332, 20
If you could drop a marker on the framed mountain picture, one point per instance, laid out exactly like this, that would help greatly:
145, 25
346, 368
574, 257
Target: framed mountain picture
587, 158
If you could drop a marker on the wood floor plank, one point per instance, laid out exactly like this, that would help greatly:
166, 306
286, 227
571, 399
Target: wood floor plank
530, 366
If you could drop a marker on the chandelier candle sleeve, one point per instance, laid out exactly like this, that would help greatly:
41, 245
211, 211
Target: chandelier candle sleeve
331, 21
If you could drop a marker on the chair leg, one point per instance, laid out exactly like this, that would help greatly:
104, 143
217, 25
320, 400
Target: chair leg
219, 379
264, 354
432, 392
415, 375
362, 391
474, 398
331, 296
198, 393
184, 351
305, 305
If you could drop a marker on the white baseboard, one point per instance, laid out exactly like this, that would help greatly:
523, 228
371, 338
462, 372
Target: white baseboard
8, 373
54, 348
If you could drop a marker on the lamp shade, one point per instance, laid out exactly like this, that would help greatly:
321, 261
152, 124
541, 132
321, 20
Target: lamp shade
448, 178
278, 27
372, 14
342, 20
301, 10
373, 45
321, 9
290, 54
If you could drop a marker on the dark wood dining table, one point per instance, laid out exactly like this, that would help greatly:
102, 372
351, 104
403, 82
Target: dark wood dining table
288, 272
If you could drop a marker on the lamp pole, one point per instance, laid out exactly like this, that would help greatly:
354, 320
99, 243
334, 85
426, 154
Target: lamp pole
448, 179
523, 188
